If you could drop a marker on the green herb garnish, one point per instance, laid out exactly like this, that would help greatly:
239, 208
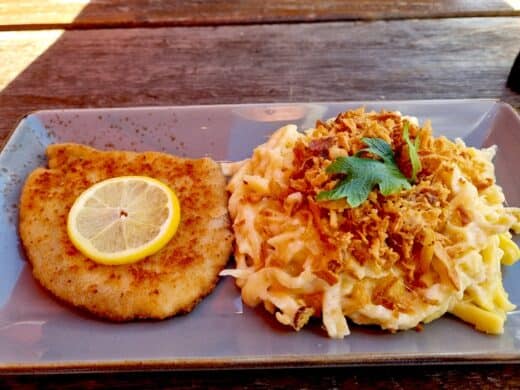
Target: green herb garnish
412, 152
363, 174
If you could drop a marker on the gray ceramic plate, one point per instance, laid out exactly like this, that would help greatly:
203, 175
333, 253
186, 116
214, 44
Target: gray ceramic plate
37, 333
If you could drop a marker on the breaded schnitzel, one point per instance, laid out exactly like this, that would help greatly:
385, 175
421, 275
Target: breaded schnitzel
170, 281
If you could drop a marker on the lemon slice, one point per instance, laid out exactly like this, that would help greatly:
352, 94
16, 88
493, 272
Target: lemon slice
124, 219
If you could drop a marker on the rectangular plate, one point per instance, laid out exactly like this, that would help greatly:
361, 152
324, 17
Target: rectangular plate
37, 333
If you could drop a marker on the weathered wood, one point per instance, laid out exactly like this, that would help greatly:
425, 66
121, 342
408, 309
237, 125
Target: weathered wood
436, 377
16, 14
427, 59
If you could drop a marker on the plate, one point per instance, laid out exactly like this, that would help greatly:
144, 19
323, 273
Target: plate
40, 334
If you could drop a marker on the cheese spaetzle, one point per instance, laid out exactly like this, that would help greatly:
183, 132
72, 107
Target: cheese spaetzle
395, 261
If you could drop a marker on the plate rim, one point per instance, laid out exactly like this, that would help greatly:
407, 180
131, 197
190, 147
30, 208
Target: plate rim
254, 362
35, 113
263, 362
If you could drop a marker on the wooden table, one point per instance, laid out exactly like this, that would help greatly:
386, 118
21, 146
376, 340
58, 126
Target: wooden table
115, 53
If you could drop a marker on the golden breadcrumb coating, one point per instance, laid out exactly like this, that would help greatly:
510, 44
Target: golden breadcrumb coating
170, 281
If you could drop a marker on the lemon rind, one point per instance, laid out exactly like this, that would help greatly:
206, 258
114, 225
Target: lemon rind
128, 256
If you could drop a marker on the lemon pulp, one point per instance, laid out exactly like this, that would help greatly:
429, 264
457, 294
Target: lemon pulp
123, 219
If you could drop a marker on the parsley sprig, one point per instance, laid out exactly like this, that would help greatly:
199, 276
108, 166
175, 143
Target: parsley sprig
363, 174
413, 152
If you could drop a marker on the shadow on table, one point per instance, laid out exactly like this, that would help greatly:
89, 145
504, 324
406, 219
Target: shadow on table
258, 63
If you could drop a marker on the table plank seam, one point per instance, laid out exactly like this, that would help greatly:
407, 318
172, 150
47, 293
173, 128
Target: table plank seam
246, 22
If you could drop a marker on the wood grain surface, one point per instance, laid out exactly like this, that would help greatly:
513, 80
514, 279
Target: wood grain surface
37, 14
415, 59
497, 377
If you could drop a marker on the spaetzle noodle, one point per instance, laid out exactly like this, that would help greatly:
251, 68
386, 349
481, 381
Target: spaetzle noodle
395, 261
